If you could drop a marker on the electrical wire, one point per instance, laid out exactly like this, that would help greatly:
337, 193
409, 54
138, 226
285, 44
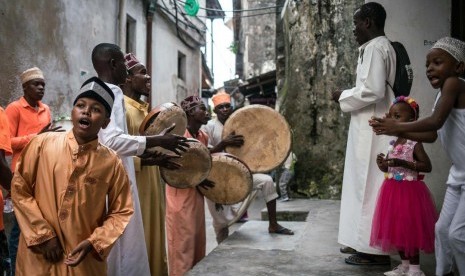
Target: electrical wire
243, 16
220, 10
187, 24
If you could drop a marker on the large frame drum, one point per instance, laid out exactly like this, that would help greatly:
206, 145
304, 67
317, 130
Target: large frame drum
162, 117
196, 164
232, 178
267, 137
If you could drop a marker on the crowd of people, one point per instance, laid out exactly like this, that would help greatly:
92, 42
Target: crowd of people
90, 201
97, 188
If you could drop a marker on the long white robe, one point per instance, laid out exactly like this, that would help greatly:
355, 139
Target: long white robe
362, 178
129, 254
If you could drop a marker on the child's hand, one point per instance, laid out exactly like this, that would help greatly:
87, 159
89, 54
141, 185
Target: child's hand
81, 250
51, 250
395, 162
380, 159
381, 162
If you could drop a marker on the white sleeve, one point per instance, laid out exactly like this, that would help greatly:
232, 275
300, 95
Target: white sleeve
114, 135
371, 82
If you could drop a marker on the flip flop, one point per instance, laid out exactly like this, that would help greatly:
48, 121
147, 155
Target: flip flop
364, 259
281, 231
347, 250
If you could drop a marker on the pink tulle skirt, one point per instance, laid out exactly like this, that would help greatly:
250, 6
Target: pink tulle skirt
404, 218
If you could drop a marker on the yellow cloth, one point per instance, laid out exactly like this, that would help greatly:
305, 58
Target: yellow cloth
151, 195
72, 192
185, 224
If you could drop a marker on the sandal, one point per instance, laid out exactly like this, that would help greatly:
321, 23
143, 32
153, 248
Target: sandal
347, 250
366, 259
281, 231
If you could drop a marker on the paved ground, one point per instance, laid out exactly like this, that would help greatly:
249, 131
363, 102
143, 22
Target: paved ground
313, 250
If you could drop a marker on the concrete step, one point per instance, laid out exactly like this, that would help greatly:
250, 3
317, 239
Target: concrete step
292, 210
313, 250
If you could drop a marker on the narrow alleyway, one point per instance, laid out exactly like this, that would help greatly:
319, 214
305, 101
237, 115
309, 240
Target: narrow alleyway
313, 250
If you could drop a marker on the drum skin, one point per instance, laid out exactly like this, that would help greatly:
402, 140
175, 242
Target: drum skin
233, 180
267, 137
162, 117
196, 164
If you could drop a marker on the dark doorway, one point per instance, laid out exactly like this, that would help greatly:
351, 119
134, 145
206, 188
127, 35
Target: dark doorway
458, 19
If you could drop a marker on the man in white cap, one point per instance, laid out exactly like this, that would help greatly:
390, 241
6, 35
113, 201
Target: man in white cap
27, 117
129, 256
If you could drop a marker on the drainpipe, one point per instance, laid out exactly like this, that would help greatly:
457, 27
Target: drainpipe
150, 13
122, 25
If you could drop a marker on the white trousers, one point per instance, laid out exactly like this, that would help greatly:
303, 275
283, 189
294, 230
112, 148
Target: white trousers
450, 232
221, 218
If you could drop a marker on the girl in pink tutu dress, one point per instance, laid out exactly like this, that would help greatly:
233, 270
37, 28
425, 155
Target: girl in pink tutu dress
405, 214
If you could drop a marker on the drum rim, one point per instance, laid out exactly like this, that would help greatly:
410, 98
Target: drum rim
202, 191
288, 151
154, 112
163, 171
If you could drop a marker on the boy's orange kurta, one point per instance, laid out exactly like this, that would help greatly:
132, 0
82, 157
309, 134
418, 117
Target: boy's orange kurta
185, 224
59, 190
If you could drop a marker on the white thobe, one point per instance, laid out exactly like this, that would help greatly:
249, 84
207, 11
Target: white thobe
371, 96
129, 254
450, 227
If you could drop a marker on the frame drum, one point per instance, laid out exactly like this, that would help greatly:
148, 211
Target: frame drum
196, 164
232, 177
267, 137
162, 117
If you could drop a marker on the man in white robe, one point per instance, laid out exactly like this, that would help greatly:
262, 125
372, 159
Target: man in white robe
129, 254
371, 96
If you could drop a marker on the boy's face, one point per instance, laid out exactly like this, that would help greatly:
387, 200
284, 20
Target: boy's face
223, 111
200, 114
88, 116
34, 90
440, 65
119, 71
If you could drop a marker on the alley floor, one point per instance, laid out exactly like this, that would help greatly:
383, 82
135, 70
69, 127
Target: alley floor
313, 250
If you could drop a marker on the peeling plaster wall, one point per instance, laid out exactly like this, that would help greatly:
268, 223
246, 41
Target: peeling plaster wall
257, 38
320, 56
58, 37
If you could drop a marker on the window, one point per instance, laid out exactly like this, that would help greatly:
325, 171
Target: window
130, 34
181, 66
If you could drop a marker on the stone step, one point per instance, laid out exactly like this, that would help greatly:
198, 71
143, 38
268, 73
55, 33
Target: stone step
292, 210
312, 251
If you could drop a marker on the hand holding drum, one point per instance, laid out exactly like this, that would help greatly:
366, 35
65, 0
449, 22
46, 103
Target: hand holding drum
266, 136
164, 127
195, 162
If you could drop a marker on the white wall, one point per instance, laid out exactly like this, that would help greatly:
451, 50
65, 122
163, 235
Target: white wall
164, 64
